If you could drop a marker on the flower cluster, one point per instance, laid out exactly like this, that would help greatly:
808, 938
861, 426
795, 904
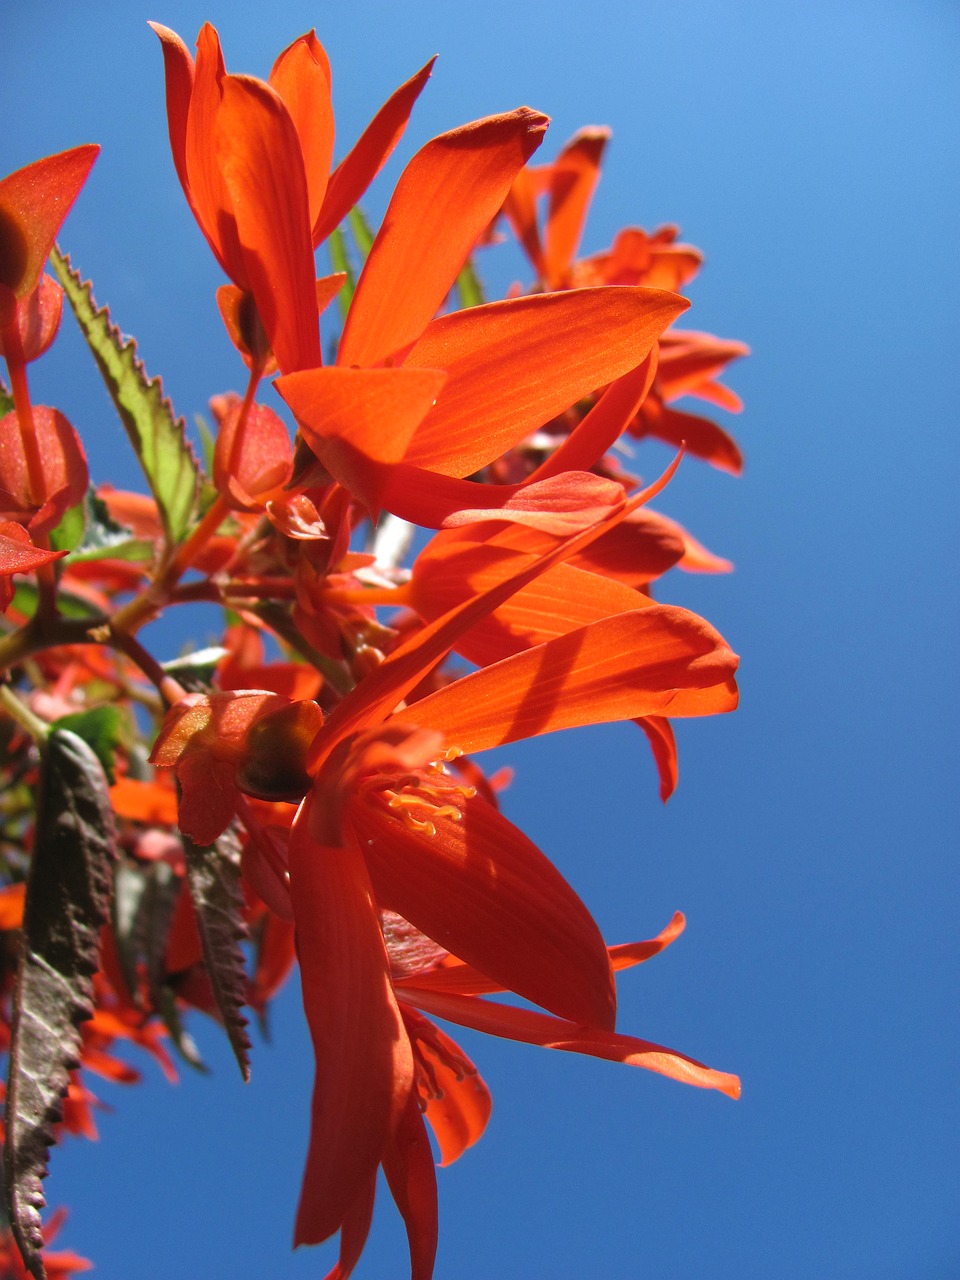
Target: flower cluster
307, 792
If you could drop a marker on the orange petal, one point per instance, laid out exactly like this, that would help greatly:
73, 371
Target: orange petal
179, 70
513, 365
663, 744
258, 150
483, 891
634, 664
408, 1166
459, 1106
354, 1231
64, 477
703, 438
364, 1064
638, 550
17, 552
573, 181
530, 1027
520, 210
209, 797
630, 953
37, 321
359, 421
446, 196
358, 169
301, 76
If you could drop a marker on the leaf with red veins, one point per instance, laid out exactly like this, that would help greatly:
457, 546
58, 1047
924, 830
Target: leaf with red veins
258, 151
655, 661
469, 879
444, 200
370, 153
301, 76
512, 366
364, 1062
530, 1027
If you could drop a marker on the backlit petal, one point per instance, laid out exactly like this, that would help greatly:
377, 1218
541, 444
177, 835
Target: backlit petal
364, 1065
482, 890
301, 76
408, 1166
445, 198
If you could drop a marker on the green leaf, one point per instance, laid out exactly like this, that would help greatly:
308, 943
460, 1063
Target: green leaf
69, 532
104, 539
100, 728
340, 261
195, 670
6, 400
25, 598
159, 439
468, 286
213, 873
362, 235
68, 899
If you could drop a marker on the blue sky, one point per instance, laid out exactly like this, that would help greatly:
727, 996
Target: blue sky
809, 150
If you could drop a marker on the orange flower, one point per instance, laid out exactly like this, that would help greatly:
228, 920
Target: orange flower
384, 825
459, 390
253, 159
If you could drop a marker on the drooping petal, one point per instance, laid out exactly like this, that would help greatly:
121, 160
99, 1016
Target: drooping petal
703, 438
364, 1064
663, 744
628, 954
573, 181
208, 801
354, 1231
599, 429
408, 1167
381, 691
655, 661
531, 1027
446, 196
512, 366
456, 1102
481, 889
179, 70
520, 209
301, 76
361, 165
258, 151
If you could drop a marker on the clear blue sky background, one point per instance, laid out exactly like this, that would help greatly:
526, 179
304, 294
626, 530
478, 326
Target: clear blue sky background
810, 150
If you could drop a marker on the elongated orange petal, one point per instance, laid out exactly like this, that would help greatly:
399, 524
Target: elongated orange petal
364, 1064
703, 438
408, 1166
556, 602
354, 1231
359, 421
599, 429
34, 201
179, 71
638, 550
381, 691
616, 669
446, 196
554, 1033
628, 954
574, 179
459, 1107
663, 744
361, 165
482, 890
513, 365
258, 150
520, 210
301, 76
